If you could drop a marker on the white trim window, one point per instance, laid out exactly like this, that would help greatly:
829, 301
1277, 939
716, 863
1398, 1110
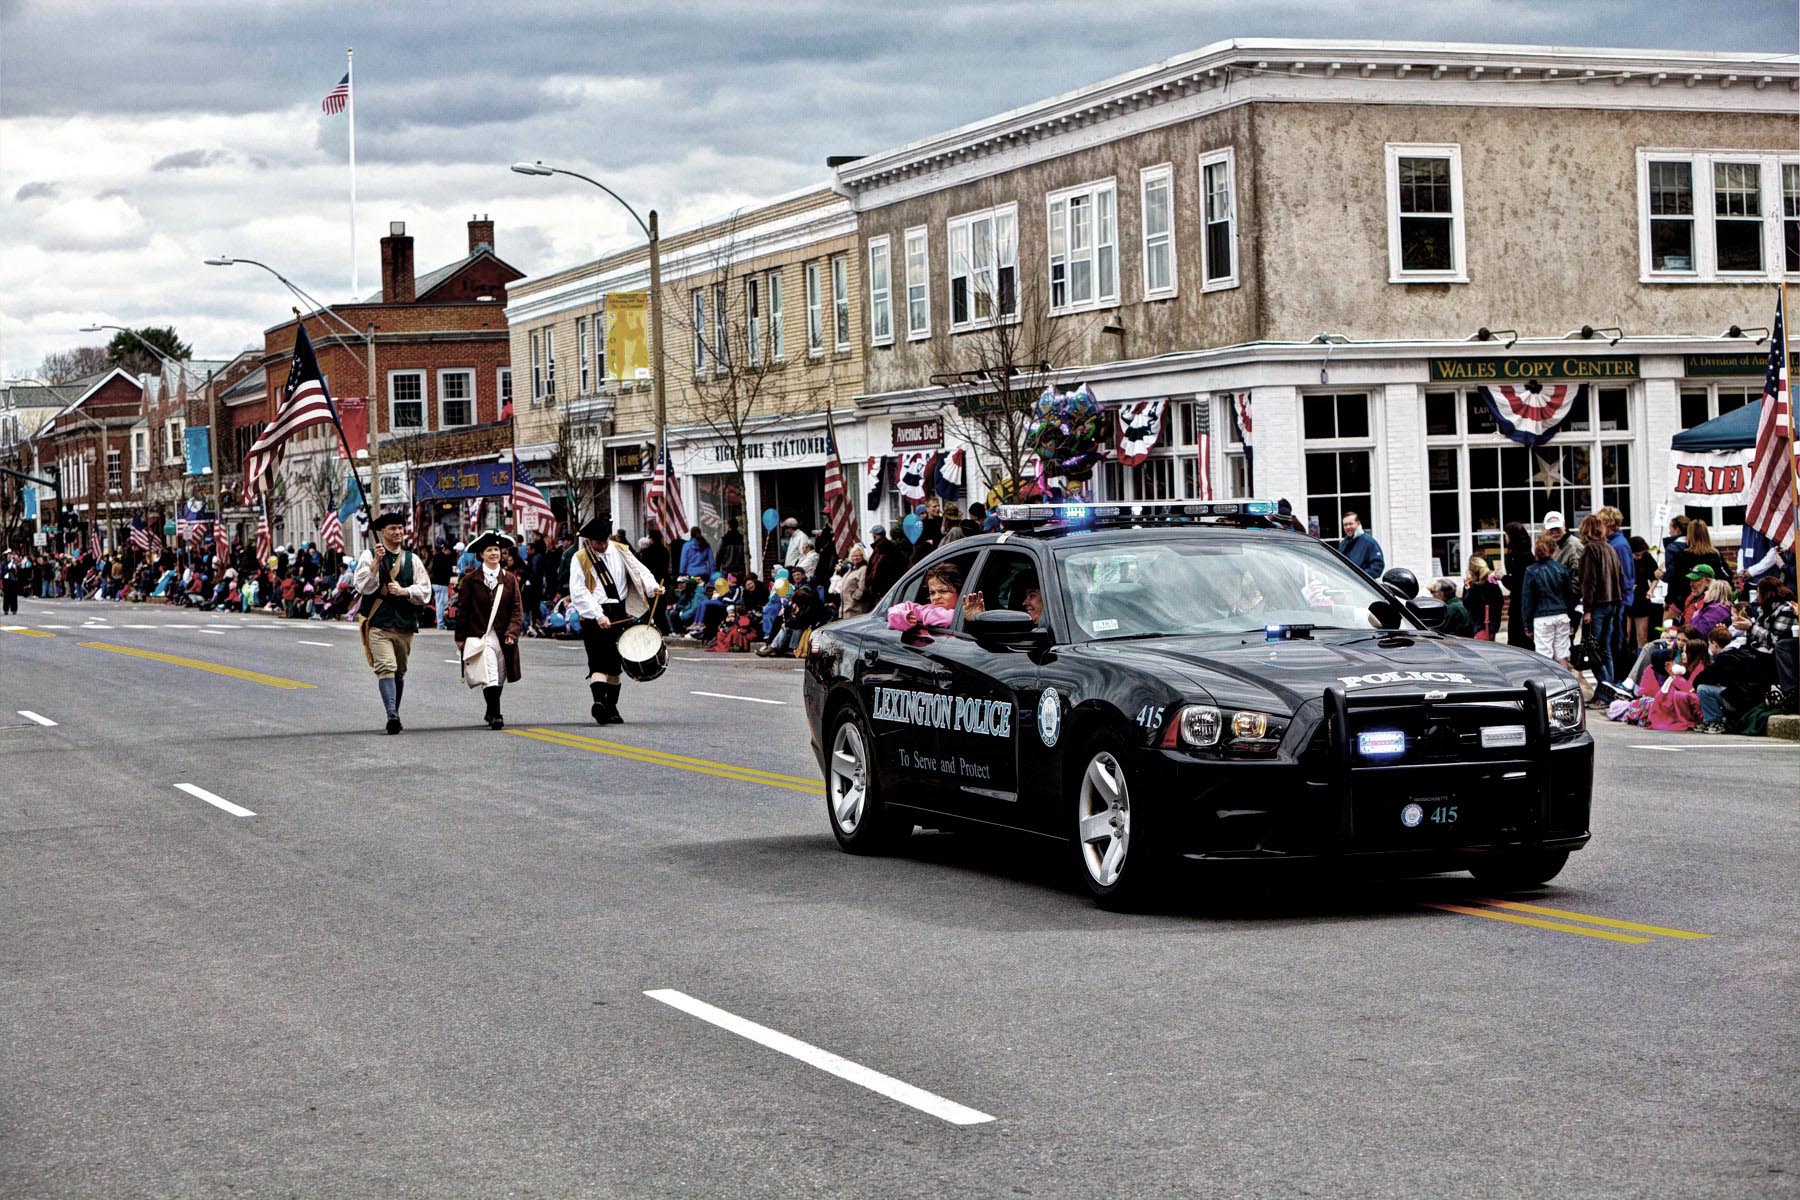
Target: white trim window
983, 249
753, 322
173, 429
1218, 220
1717, 216
918, 284
581, 353
1425, 214
700, 328
549, 365
503, 386
1156, 192
777, 341
456, 397
406, 400
1172, 470
1084, 246
815, 312
115, 481
140, 449
537, 371
721, 329
840, 303
1701, 401
881, 291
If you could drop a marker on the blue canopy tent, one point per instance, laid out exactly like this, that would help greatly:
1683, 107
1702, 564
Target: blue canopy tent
1736, 430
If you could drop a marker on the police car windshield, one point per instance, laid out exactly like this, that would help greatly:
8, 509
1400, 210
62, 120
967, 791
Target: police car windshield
1212, 585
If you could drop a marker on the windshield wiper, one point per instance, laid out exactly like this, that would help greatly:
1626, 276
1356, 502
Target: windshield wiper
1128, 637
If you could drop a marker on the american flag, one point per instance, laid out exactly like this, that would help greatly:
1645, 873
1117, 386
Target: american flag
837, 496
709, 512
664, 498
1203, 485
331, 531
145, 538
472, 515
1240, 412
337, 97
530, 508
264, 542
183, 527
97, 544
197, 533
221, 541
304, 403
1771, 511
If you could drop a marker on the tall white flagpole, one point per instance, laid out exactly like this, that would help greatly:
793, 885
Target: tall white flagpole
350, 70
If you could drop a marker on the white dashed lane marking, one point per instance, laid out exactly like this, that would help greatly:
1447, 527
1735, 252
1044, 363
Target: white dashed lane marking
729, 696
31, 716
216, 801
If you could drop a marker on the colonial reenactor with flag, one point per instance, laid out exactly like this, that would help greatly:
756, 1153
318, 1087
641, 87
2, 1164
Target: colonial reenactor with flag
490, 616
396, 589
609, 587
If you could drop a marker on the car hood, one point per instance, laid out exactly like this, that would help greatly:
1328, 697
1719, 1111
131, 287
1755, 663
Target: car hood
1278, 677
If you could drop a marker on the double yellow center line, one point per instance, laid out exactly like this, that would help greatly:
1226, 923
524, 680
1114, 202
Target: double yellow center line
679, 762
1605, 928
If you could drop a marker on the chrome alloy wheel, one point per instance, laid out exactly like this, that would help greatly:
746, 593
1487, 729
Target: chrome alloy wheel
1104, 816
849, 778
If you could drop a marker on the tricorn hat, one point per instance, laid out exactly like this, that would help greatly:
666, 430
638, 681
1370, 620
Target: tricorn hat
596, 530
385, 519
492, 537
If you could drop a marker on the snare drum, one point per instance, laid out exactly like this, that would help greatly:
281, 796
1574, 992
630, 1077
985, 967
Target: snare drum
642, 653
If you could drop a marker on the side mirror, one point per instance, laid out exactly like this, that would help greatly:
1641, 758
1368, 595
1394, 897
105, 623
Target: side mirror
1429, 610
1401, 582
1002, 627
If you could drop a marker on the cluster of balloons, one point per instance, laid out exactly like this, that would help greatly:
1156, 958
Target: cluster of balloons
1066, 435
784, 583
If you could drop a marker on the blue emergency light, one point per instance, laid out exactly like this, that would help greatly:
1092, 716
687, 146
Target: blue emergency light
1029, 516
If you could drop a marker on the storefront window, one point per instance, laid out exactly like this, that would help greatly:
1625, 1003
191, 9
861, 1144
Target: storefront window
1479, 481
1700, 403
1339, 460
1172, 472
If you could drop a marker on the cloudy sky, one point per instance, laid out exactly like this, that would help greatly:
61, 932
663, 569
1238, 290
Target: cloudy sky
137, 139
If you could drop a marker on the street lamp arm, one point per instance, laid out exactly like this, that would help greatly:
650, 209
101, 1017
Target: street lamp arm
290, 285
613, 194
146, 344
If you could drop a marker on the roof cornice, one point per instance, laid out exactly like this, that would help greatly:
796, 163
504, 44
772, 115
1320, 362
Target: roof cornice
1243, 70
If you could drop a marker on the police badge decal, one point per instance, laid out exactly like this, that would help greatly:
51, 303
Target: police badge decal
1049, 717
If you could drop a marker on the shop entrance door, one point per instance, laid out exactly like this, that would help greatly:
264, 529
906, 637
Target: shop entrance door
798, 493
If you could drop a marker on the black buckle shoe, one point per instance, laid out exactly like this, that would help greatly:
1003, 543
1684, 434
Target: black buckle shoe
393, 725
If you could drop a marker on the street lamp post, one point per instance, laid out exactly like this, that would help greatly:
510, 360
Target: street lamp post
656, 321
367, 335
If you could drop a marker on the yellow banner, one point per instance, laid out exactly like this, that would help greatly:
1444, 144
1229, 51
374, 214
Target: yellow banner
627, 335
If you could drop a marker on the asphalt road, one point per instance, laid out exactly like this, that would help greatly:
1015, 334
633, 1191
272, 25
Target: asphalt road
423, 966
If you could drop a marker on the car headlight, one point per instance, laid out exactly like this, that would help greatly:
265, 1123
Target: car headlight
1566, 711
1236, 731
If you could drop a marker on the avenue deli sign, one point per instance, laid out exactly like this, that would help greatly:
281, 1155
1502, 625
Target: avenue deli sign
1523, 368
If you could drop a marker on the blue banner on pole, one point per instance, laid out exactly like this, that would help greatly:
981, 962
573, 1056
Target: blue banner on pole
28, 498
198, 447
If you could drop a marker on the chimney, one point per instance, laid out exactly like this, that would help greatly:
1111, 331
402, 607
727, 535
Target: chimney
481, 234
397, 265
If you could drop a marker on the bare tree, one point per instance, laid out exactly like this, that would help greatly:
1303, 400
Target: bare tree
996, 373
735, 374
319, 483
577, 457
61, 366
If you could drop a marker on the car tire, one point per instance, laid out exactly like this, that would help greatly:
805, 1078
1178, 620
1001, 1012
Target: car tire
860, 820
1113, 859
1521, 869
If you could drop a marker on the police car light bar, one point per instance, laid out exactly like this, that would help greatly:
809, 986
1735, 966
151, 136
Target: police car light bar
1034, 516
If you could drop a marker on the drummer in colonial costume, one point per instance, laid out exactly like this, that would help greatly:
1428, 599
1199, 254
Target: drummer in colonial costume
490, 616
609, 587
395, 588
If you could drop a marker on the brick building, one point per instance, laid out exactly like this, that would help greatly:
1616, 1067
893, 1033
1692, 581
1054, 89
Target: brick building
1345, 237
442, 363
86, 446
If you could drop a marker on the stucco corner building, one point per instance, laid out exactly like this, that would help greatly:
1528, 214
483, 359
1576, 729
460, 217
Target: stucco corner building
1328, 227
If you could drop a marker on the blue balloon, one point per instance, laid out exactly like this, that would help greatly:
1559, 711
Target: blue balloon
771, 519
781, 572
912, 527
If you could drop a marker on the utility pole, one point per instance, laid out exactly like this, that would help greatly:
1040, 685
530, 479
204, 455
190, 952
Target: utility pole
373, 404
656, 331
218, 460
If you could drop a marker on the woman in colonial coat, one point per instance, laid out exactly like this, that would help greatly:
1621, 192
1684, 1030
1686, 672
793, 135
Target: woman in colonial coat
490, 616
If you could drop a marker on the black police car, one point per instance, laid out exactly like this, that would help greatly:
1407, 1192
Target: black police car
1200, 681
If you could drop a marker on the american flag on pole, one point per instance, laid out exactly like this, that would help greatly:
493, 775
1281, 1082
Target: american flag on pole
96, 543
221, 541
337, 97
264, 542
145, 538
304, 403
1771, 510
837, 497
197, 533
331, 531
530, 508
1203, 485
664, 498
